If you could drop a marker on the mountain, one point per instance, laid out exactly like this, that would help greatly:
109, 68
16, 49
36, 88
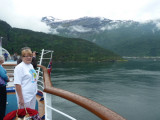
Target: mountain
65, 49
124, 37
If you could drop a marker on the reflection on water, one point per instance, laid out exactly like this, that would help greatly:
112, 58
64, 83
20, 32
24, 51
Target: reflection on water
131, 88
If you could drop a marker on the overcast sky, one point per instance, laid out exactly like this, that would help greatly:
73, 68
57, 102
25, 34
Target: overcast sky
28, 13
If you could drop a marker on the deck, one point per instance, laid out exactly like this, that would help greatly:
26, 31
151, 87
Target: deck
12, 102
97, 109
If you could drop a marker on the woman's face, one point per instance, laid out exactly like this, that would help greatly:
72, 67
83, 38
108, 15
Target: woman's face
27, 58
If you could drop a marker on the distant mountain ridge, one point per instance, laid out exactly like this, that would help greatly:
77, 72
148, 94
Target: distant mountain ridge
65, 49
125, 37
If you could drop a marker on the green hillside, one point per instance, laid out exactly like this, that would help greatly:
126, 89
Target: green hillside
124, 37
65, 49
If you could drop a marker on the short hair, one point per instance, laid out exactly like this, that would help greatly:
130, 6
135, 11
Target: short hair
1, 58
26, 51
25, 48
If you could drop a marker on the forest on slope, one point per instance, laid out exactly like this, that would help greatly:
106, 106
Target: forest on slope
65, 49
124, 37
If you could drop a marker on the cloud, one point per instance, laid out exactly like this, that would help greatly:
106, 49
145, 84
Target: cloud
31, 23
54, 31
157, 24
109, 27
28, 13
20, 20
94, 40
79, 28
112, 25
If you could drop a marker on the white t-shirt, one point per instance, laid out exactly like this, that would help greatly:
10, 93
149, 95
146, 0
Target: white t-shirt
26, 76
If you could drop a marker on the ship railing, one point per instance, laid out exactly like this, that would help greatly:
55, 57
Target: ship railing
10, 69
47, 98
97, 109
44, 55
46, 87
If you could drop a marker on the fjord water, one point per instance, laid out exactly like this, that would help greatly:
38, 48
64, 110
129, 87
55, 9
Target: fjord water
131, 89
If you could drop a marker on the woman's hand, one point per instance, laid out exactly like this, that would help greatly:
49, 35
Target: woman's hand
8, 79
21, 101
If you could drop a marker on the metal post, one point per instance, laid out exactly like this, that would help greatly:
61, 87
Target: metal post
40, 62
48, 102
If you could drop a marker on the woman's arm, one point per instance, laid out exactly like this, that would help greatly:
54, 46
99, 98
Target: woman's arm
3, 73
20, 96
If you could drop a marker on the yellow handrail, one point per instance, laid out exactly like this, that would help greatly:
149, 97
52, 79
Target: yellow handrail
96, 108
9, 64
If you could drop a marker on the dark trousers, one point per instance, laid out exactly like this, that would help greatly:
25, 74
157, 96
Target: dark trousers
3, 99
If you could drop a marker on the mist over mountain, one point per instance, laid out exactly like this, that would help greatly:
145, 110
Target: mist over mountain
65, 49
125, 37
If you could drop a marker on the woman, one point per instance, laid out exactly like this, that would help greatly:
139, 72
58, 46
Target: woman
3, 95
25, 80
34, 61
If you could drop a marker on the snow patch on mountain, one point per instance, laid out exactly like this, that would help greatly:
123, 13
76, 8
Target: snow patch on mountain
93, 24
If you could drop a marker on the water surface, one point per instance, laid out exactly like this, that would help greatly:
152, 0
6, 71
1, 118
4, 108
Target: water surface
131, 89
